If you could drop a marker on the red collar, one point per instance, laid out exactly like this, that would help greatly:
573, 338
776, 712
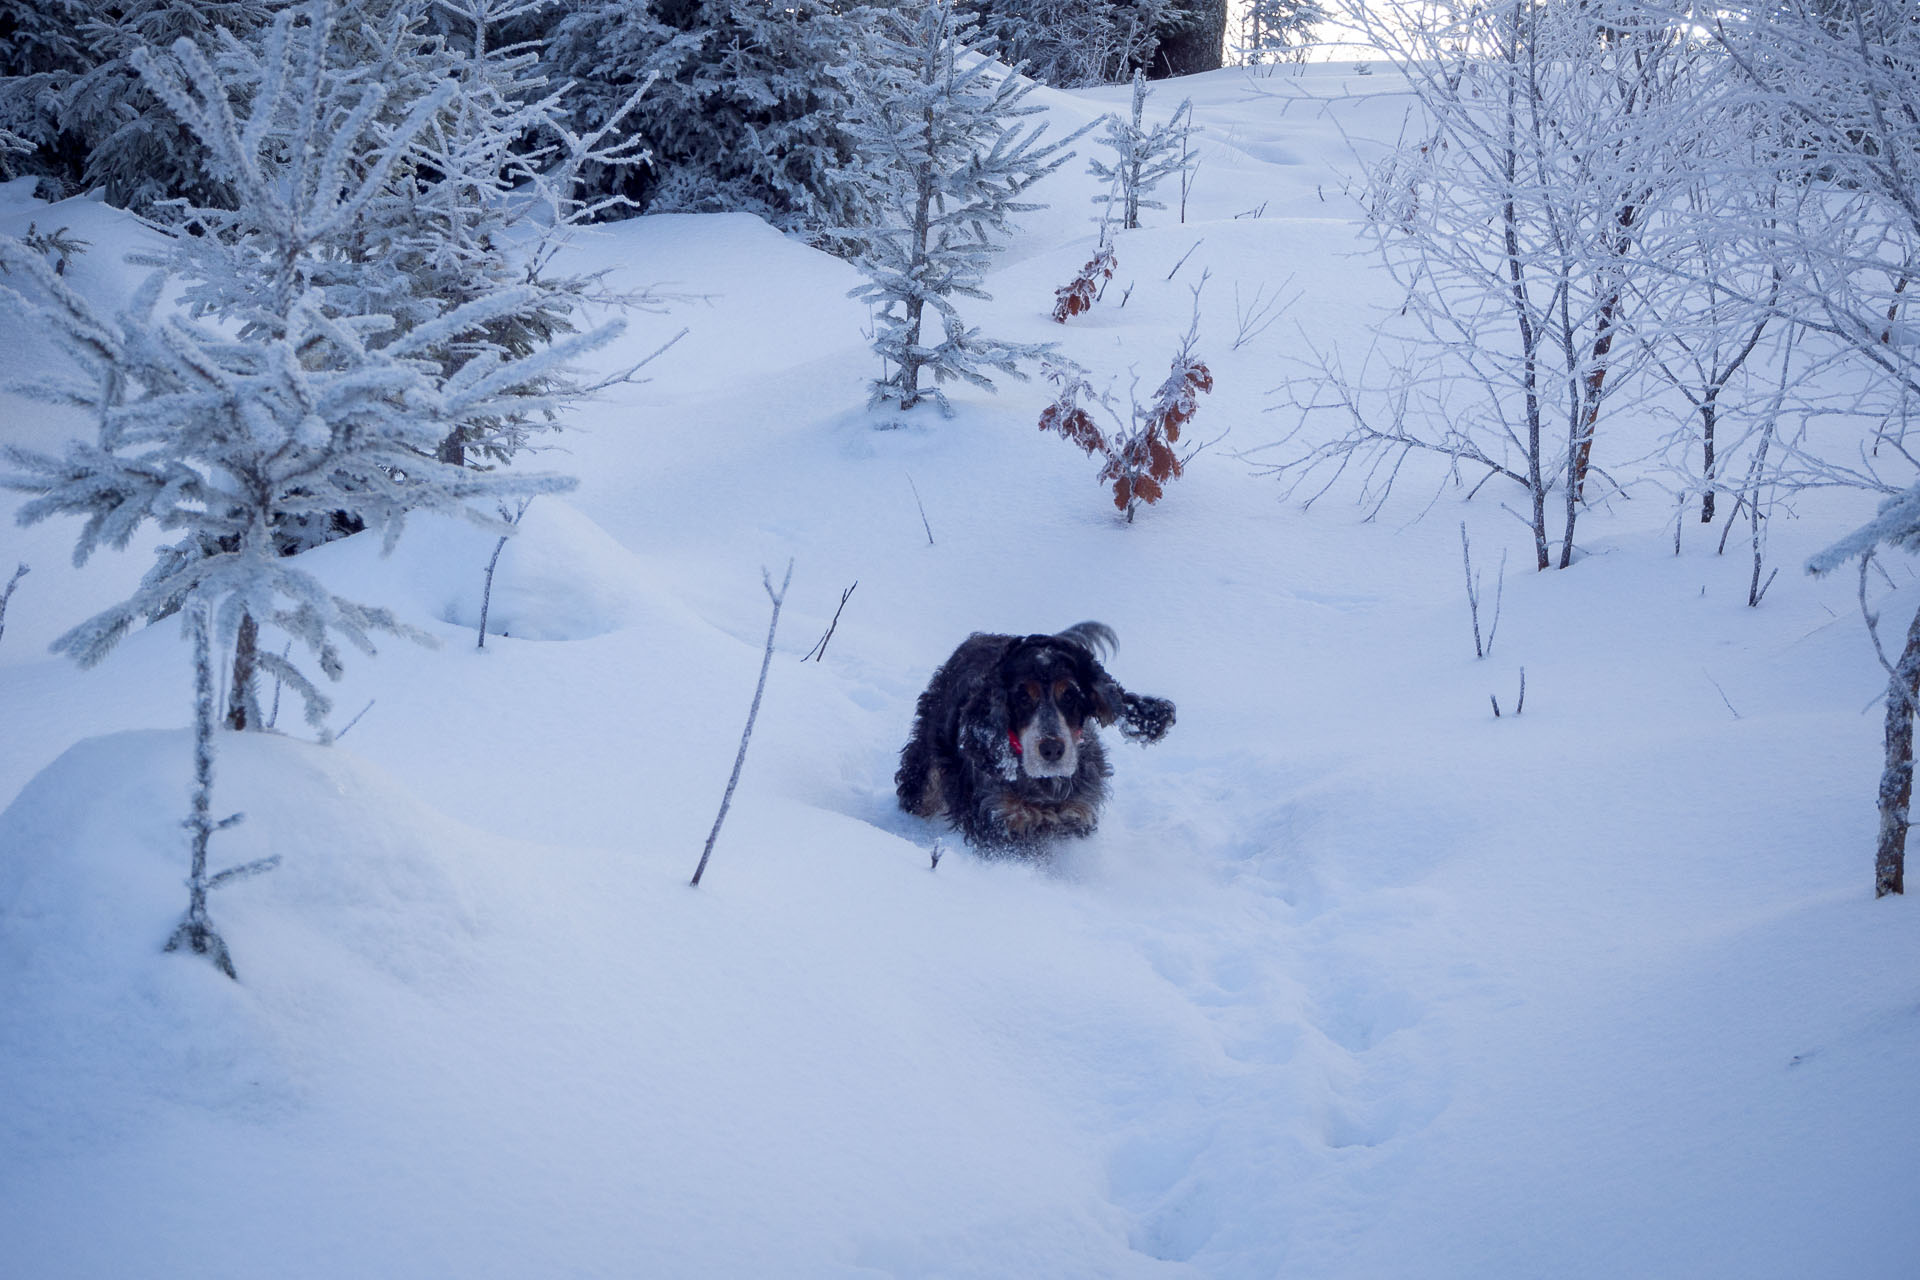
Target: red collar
1013, 741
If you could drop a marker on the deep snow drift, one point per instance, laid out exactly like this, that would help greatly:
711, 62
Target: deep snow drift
1355, 980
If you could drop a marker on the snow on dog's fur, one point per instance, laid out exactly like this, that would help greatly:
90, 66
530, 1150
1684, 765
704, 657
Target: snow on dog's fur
1004, 742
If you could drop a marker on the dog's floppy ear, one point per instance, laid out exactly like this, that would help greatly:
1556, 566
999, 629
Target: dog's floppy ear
987, 722
1108, 698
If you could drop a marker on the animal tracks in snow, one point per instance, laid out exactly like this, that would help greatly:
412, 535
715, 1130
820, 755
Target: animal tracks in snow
1307, 945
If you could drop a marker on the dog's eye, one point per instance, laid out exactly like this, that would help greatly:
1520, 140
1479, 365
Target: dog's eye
1061, 688
1032, 690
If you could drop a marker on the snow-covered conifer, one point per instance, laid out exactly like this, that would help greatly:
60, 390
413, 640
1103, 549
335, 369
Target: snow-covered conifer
1277, 30
40, 51
79, 97
478, 187
280, 409
949, 161
1067, 43
748, 111
1143, 154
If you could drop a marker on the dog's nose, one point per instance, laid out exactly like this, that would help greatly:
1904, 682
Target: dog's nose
1051, 749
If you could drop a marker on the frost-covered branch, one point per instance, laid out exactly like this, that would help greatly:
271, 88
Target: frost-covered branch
6, 596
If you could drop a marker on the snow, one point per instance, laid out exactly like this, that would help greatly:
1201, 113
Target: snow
1355, 980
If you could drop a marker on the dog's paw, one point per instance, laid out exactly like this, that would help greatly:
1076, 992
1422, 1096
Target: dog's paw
1144, 719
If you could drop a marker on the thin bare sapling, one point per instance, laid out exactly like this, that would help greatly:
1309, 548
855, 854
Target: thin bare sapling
512, 519
1520, 703
1260, 311
1511, 220
740, 758
1473, 595
819, 651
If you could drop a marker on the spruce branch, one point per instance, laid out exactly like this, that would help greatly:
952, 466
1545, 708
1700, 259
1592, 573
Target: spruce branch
7, 595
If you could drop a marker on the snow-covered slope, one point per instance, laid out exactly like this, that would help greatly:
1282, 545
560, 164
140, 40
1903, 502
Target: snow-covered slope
1355, 980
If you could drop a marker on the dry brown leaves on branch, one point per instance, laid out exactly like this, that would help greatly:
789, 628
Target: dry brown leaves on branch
1140, 464
1072, 299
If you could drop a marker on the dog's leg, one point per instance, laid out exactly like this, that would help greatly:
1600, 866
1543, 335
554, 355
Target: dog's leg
917, 781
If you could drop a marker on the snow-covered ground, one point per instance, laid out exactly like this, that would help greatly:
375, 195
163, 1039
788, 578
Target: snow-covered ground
1356, 980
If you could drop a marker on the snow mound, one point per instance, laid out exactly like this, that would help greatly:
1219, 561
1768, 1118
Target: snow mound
95, 1024
559, 577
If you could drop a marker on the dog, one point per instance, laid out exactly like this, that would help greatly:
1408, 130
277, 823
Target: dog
1004, 742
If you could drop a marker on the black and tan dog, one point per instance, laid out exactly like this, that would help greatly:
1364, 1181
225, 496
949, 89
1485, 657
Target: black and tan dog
1004, 742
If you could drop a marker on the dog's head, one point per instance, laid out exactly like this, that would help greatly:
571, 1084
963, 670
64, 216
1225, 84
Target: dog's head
1048, 688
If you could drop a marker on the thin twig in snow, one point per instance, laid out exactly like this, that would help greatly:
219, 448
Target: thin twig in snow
819, 651
1260, 312
1473, 594
923, 506
1722, 692
1183, 258
740, 758
354, 721
486, 595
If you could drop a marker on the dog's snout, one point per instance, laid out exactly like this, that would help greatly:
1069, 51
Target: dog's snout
1052, 749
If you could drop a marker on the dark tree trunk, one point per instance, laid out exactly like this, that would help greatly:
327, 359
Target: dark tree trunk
243, 709
1896, 780
1199, 45
1709, 414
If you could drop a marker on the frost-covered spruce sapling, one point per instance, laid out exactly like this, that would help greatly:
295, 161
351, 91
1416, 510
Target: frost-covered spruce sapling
478, 189
1279, 30
1143, 155
947, 163
227, 434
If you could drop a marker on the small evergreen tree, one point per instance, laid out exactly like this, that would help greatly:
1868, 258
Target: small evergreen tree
949, 164
69, 85
1277, 30
477, 189
290, 411
1068, 43
748, 109
1143, 155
